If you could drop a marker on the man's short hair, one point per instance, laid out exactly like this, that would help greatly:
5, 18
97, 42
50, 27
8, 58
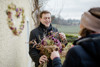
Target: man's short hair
44, 12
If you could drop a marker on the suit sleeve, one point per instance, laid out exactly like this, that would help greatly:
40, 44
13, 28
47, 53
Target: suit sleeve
33, 52
56, 62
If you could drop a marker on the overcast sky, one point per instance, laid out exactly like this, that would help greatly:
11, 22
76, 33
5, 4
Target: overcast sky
70, 8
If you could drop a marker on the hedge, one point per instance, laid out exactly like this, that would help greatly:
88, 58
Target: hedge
71, 38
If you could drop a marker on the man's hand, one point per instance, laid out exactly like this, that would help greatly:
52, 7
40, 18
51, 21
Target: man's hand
62, 36
31, 42
42, 59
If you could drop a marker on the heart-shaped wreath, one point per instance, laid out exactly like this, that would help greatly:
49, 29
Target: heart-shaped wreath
19, 11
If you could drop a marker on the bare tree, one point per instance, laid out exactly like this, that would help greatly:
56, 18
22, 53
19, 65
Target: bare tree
36, 6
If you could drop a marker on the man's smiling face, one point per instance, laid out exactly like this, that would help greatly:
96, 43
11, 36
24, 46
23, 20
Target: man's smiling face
46, 19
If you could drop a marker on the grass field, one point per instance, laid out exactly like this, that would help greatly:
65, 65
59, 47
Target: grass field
65, 52
67, 29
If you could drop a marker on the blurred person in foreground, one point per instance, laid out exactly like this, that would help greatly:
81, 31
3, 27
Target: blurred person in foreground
86, 52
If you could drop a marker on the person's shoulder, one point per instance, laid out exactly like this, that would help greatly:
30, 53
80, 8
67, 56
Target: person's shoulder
76, 48
78, 51
34, 30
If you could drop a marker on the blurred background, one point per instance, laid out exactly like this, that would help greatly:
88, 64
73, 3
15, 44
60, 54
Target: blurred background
66, 15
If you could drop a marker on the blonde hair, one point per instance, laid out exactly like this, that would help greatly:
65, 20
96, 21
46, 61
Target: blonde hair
84, 32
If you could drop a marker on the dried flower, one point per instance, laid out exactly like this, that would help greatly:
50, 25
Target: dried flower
50, 43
